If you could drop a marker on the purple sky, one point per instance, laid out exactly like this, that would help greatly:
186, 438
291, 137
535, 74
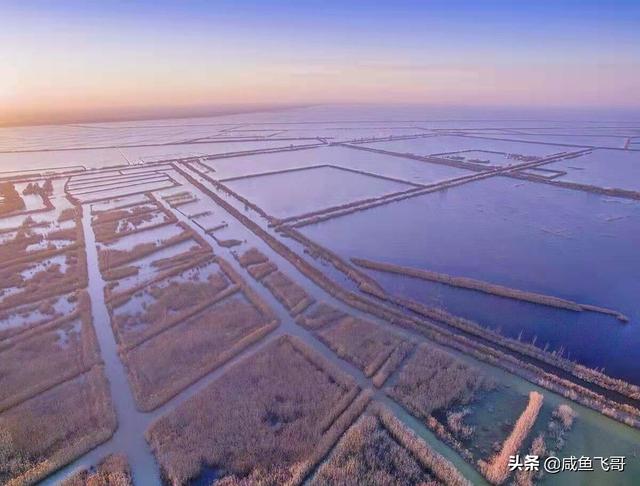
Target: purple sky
68, 58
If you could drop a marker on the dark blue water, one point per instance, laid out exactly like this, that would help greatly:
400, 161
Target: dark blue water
529, 236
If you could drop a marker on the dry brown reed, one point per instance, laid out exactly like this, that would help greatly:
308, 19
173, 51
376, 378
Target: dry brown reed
320, 315
32, 364
47, 282
110, 258
392, 363
170, 303
440, 467
261, 270
162, 366
254, 424
79, 415
497, 469
365, 344
113, 470
252, 256
289, 293
10, 200
434, 380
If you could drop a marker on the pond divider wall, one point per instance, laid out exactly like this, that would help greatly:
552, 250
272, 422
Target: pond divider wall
606, 191
487, 288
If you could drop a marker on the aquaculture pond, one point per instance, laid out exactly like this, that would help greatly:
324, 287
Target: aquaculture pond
449, 143
410, 170
573, 139
301, 191
619, 169
523, 235
93, 158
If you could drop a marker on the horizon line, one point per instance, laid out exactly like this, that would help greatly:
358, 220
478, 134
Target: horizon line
167, 112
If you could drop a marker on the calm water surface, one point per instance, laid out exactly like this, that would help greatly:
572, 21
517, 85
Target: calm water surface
529, 236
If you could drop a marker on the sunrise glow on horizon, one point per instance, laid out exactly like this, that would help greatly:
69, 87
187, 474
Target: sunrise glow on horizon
70, 59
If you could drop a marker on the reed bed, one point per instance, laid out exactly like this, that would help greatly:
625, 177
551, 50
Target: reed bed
119, 273
261, 270
392, 363
497, 469
113, 470
367, 454
256, 424
79, 416
169, 301
252, 256
68, 234
117, 214
110, 258
118, 228
562, 419
319, 316
48, 316
288, 293
431, 460
434, 381
523, 477
330, 436
363, 343
486, 287
256, 263
227, 243
162, 366
68, 214
184, 259
47, 282
11, 200
247, 290
16, 248
32, 364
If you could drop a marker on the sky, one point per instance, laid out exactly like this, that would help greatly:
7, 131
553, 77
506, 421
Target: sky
85, 59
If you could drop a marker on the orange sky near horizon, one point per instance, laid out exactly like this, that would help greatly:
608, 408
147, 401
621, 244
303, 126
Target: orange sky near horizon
81, 61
